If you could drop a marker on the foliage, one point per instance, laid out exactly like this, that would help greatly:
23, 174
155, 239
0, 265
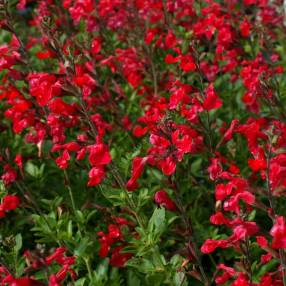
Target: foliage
142, 142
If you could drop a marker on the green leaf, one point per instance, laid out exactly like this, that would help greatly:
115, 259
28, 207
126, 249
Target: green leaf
179, 278
116, 196
252, 215
34, 171
31, 169
271, 265
69, 229
132, 279
102, 269
80, 282
80, 250
18, 240
158, 221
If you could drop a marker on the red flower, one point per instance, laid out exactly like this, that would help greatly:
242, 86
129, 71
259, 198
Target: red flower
219, 219
9, 176
114, 231
134, 79
215, 169
187, 63
99, 155
222, 191
229, 132
162, 198
241, 281
119, 259
232, 204
24, 281
62, 161
278, 231
245, 28
265, 259
169, 59
72, 146
44, 87
126, 122
96, 175
170, 40
262, 241
137, 169
10, 202
149, 36
139, 131
21, 5
259, 162
56, 256
19, 161
211, 245
104, 248
107, 239
53, 281
243, 230
8, 279
168, 166
249, 2
229, 272
42, 55
212, 100
96, 46
178, 95
59, 107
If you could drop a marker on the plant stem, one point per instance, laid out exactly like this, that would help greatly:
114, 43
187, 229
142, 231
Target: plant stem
70, 190
192, 239
68, 185
271, 203
86, 260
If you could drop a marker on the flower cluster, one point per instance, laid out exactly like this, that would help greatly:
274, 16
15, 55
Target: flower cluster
142, 142
58, 257
113, 236
9, 203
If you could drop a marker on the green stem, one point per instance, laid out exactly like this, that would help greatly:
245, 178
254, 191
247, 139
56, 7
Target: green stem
68, 185
87, 263
191, 238
70, 190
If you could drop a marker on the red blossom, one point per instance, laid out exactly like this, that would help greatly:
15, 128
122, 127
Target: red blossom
9, 176
187, 63
228, 273
212, 100
119, 259
44, 87
241, 281
138, 164
21, 5
86, 77
10, 202
168, 166
139, 131
63, 160
96, 175
19, 161
245, 28
163, 199
211, 245
215, 169
99, 155
278, 232
96, 46
262, 241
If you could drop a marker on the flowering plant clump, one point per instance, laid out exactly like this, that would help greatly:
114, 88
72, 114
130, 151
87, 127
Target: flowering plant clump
142, 142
